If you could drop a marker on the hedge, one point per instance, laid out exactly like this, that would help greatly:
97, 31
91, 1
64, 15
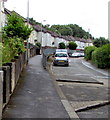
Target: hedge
101, 56
72, 45
88, 52
10, 48
62, 45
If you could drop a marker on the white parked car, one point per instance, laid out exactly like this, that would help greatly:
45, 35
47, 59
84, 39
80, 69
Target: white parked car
61, 50
82, 54
61, 58
76, 54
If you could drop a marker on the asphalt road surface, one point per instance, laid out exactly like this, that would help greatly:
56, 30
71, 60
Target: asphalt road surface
86, 89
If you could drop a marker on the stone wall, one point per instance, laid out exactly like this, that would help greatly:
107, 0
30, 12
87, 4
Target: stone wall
10, 74
1, 91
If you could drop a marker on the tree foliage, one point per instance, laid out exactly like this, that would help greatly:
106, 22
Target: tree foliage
72, 30
34, 21
14, 34
38, 45
62, 45
101, 56
16, 27
88, 52
11, 48
98, 42
72, 45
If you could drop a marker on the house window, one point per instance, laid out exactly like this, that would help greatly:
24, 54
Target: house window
53, 43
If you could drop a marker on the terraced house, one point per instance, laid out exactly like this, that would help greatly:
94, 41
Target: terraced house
48, 38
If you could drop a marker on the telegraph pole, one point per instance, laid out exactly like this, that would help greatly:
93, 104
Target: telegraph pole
109, 20
27, 24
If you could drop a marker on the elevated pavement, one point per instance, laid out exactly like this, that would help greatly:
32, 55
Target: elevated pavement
35, 95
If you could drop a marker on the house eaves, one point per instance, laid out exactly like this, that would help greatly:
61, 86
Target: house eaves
8, 12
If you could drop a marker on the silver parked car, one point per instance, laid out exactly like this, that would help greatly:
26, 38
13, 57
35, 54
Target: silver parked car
61, 58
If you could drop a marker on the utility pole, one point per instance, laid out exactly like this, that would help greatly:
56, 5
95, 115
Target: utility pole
109, 20
88, 35
42, 31
27, 24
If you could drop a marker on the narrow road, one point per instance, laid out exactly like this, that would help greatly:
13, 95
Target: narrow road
84, 88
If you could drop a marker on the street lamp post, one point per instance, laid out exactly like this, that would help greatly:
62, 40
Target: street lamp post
109, 20
41, 31
28, 24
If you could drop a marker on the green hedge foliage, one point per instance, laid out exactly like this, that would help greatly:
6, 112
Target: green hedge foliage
62, 45
72, 45
88, 52
101, 56
11, 48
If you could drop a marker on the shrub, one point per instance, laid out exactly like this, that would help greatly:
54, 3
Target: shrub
16, 27
72, 45
6, 54
14, 34
101, 56
10, 48
62, 45
38, 45
98, 42
0, 54
88, 52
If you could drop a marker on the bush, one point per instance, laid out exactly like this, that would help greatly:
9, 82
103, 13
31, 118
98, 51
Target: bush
72, 45
14, 34
62, 45
101, 56
6, 54
11, 48
88, 52
0, 54
98, 42
16, 27
38, 45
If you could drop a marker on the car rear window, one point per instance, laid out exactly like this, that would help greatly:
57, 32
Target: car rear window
61, 55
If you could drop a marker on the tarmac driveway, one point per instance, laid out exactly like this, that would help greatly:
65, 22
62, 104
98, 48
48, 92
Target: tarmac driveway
84, 88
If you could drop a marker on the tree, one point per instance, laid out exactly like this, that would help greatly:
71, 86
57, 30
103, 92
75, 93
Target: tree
72, 30
62, 45
14, 34
34, 21
72, 45
98, 42
16, 27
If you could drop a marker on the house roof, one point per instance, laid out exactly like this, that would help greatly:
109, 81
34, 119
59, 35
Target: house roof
8, 12
39, 28
89, 41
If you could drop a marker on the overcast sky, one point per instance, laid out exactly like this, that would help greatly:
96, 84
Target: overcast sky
89, 14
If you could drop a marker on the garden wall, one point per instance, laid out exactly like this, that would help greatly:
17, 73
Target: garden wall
1, 91
10, 74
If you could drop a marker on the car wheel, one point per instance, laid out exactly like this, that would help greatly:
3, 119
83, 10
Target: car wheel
67, 64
